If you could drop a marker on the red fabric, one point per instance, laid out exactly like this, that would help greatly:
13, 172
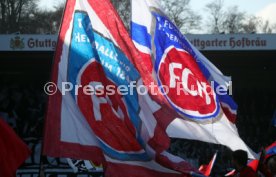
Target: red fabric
263, 169
254, 164
13, 151
230, 116
206, 169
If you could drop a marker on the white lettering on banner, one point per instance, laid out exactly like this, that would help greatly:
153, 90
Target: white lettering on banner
113, 56
107, 65
201, 87
167, 25
105, 51
173, 77
231, 42
81, 38
79, 22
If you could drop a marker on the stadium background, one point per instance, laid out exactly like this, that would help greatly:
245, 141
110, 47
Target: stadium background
26, 66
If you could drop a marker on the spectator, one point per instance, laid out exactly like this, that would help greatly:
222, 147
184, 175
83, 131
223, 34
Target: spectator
271, 163
239, 160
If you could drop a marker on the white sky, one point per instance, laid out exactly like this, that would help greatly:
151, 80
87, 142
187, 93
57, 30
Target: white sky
250, 6
49, 4
263, 8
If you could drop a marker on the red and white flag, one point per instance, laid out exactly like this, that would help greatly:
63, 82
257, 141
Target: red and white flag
99, 109
192, 95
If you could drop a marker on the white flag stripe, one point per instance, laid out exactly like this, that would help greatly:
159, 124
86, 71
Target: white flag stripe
220, 132
142, 48
141, 18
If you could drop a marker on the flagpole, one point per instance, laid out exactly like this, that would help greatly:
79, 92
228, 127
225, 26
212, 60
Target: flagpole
41, 171
130, 17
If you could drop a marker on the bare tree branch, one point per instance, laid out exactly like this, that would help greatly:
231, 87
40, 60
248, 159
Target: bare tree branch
217, 15
182, 15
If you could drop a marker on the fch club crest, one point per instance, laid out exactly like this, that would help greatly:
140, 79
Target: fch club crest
180, 78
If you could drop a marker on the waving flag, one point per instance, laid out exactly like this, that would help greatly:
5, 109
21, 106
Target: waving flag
264, 155
95, 115
206, 169
270, 150
67, 132
190, 106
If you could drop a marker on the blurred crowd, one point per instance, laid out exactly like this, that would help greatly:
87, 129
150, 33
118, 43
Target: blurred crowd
255, 112
22, 105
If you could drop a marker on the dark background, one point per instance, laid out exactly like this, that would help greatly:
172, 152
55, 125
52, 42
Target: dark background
23, 75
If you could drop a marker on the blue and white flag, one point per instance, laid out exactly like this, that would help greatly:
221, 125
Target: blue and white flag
192, 93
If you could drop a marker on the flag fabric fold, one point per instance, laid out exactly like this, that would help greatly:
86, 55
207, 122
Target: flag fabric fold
98, 112
188, 87
270, 150
264, 155
13, 151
